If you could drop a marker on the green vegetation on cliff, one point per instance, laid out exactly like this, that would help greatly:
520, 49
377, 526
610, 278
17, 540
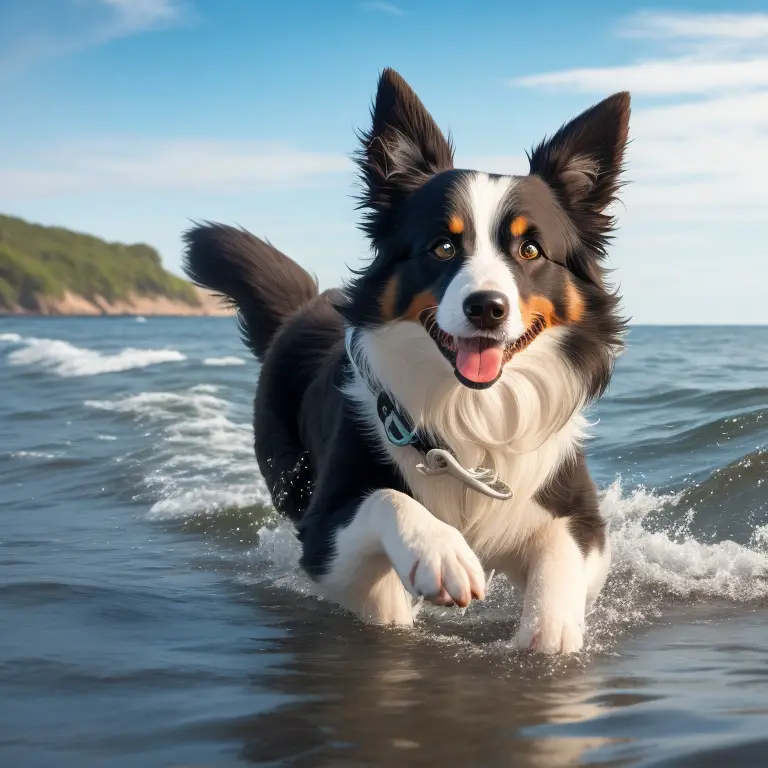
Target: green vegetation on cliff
37, 261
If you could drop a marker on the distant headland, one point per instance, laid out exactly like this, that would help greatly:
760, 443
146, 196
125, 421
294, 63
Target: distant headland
54, 271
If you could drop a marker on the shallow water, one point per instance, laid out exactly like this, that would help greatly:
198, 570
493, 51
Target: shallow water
151, 612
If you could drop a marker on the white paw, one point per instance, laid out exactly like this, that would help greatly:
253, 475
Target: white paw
439, 564
551, 634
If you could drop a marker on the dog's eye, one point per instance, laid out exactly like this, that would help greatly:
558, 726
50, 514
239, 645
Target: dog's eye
529, 250
444, 250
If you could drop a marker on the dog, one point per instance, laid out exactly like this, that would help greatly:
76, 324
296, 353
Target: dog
423, 424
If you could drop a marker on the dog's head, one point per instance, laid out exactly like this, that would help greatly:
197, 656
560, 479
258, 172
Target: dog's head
488, 264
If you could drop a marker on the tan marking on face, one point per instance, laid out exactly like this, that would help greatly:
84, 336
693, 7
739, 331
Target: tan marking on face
419, 303
538, 306
574, 302
456, 225
388, 299
518, 226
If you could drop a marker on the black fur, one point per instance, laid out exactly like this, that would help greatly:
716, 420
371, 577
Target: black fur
352, 467
316, 456
264, 284
311, 450
405, 249
403, 149
583, 163
571, 493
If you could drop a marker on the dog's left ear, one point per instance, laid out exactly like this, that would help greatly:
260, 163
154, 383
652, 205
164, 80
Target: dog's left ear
401, 151
583, 161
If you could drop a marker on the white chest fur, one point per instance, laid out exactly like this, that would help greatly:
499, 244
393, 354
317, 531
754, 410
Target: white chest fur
522, 428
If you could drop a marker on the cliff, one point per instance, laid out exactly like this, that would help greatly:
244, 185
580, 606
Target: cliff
54, 271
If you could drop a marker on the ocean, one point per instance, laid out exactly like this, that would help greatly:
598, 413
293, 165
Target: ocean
151, 611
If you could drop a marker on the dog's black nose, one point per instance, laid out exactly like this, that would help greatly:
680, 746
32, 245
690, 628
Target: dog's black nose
486, 309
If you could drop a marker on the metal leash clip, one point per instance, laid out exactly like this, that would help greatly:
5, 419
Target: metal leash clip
441, 462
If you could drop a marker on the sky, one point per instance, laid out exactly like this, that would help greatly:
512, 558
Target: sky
130, 119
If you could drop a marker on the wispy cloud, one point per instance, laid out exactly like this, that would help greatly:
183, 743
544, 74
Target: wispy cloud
696, 26
389, 8
673, 77
62, 27
705, 53
695, 207
194, 166
143, 14
703, 153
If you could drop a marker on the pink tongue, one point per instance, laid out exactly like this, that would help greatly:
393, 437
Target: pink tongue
477, 361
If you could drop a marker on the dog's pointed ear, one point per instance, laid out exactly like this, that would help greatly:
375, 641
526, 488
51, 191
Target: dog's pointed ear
583, 162
402, 149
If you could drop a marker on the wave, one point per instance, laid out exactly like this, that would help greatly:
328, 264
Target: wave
203, 469
744, 478
202, 461
206, 389
10, 338
709, 431
653, 572
31, 455
670, 558
232, 360
703, 399
67, 360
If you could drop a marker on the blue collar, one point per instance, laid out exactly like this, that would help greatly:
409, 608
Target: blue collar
402, 431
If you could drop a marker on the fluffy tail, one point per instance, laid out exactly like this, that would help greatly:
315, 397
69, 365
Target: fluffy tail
263, 284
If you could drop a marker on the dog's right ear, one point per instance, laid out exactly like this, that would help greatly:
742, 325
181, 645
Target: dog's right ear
403, 148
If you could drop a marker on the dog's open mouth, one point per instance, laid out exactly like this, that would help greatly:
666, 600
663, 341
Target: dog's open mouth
477, 361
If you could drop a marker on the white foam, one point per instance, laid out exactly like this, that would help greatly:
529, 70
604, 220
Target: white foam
275, 560
651, 570
165, 406
760, 538
10, 338
673, 559
203, 460
67, 360
232, 360
679, 563
204, 464
32, 455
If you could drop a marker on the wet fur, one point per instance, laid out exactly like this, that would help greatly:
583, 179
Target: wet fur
374, 532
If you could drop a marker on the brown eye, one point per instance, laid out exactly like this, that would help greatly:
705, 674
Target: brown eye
529, 250
444, 250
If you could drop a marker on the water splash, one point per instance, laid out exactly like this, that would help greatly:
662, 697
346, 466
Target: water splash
66, 360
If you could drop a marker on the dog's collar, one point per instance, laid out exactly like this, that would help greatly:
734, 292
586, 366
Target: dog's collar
402, 431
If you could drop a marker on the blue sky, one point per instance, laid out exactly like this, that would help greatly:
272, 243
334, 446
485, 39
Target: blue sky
129, 118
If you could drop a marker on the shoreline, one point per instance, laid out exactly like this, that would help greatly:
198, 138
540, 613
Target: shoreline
74, 305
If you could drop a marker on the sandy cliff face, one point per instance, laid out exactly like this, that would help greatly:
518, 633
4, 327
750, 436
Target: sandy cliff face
72, 304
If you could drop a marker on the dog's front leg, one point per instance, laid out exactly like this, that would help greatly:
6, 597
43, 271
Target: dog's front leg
386, 549
555, 593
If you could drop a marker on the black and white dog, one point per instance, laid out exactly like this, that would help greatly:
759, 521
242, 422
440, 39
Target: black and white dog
424, 424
